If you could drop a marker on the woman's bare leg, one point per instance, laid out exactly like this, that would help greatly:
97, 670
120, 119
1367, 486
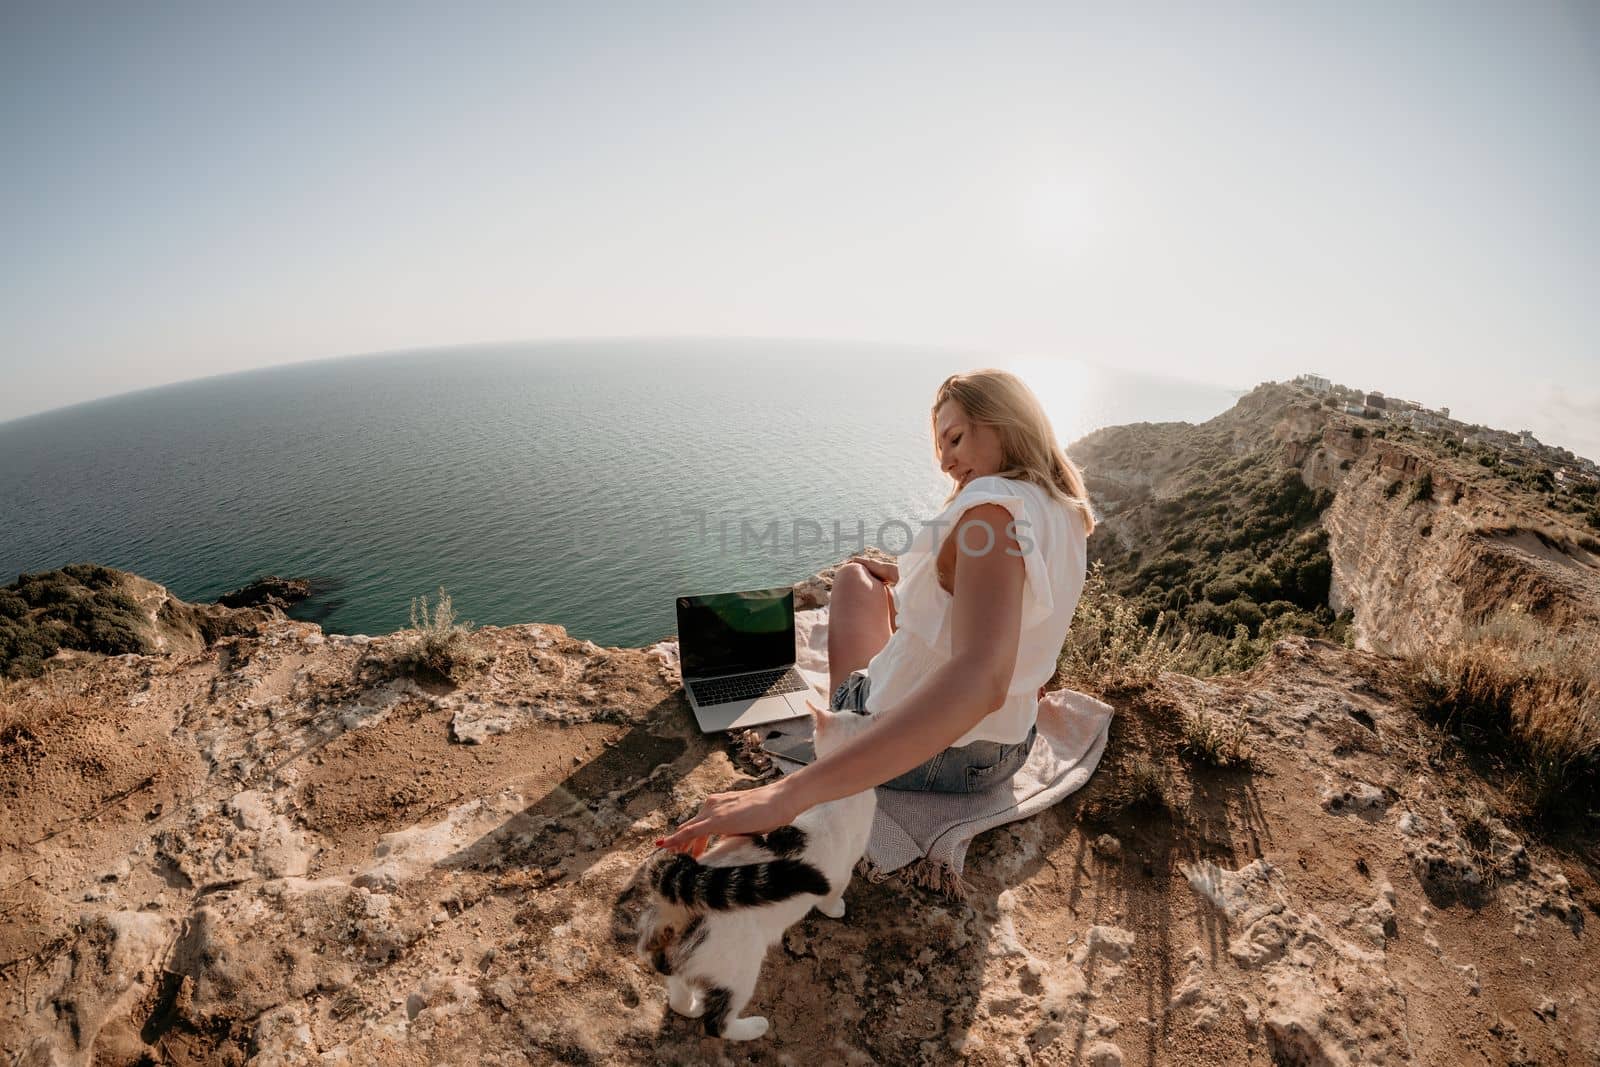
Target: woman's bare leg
858, 621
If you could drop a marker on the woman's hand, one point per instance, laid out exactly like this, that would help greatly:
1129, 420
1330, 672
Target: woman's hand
751, 811
887, 573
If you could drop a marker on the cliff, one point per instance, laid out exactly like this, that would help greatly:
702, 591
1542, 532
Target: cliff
288, 847
1421, 543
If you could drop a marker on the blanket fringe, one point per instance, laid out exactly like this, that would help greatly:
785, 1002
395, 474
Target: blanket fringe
923, 874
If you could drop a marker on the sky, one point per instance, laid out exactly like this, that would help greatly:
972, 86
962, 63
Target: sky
1399, 197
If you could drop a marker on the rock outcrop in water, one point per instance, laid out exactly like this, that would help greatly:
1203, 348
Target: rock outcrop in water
278, 849
269, 591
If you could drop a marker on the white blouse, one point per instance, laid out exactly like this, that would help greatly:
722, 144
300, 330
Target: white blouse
1050, 535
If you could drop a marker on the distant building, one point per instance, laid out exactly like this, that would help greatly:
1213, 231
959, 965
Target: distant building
1314, 382
1376, 400
1527, 440
1417, 419
1351, 407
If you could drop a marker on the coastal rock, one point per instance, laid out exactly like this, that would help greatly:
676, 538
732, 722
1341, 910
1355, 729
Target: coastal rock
270, 591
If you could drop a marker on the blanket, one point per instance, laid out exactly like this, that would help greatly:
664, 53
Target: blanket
924, 836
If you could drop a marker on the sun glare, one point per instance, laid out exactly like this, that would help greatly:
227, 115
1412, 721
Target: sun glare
1068, 389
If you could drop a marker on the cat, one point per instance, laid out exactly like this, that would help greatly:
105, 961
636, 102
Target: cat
710, 922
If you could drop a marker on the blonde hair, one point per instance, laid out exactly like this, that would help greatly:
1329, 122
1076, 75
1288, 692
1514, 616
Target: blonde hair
1029, 451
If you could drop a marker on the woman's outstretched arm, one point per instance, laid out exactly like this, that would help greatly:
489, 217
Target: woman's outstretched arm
986, 624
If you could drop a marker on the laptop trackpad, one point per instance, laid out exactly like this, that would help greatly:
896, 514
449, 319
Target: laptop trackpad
741, 715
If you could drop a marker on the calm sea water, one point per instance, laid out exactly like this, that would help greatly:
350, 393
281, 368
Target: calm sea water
585, 484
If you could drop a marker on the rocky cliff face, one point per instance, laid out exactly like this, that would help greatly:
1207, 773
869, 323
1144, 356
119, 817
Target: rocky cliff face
1415, 569
275, 850
1422, 543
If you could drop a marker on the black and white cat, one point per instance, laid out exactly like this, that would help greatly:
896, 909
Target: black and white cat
710, 922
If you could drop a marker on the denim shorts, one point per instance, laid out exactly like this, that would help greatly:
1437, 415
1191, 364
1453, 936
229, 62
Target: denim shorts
971, 768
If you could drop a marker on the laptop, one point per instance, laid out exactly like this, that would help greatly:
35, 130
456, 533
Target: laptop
737, 655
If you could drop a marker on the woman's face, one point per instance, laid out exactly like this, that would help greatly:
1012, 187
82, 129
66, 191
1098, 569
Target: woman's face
966, 450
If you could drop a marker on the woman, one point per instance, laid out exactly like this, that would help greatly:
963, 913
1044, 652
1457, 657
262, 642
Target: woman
950, 655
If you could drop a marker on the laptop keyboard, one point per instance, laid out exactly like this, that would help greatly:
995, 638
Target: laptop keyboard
747, 686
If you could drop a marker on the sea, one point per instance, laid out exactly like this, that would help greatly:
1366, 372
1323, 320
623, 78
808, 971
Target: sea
582, 483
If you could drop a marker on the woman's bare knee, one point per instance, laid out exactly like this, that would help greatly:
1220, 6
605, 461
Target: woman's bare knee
853, 575
858, 623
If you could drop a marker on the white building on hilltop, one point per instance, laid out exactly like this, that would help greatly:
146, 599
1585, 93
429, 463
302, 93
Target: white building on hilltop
1314, 382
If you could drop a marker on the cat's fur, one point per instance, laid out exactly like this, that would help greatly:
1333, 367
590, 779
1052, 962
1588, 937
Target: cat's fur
710, 922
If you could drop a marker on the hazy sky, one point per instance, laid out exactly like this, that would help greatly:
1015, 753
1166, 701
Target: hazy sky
1400, 196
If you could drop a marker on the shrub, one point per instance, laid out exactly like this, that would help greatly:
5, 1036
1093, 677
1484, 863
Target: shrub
1145, 787
1215, 741
1391, 489
1529, 695
1423, 490
438, 644
1107, 647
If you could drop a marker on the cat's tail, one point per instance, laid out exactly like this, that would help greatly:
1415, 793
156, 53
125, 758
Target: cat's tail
682, 881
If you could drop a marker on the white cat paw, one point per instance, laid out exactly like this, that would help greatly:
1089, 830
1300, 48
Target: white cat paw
746, 1029
833, 909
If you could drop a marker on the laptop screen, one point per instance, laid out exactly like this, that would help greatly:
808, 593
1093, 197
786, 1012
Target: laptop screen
727, 632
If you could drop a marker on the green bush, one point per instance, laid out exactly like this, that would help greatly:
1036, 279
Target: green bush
77, 607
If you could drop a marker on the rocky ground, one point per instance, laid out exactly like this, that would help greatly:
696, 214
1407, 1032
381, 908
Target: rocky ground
281, 850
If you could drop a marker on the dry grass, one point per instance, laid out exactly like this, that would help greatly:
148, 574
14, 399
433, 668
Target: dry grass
1146, 786
1513, 686
1138, 784
1214, 740
437, 642
28, 709
1107, 648
1549, 536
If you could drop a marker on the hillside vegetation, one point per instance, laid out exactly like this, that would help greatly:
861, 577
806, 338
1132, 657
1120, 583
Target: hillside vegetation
84, 607
1281, 517
1225, 546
